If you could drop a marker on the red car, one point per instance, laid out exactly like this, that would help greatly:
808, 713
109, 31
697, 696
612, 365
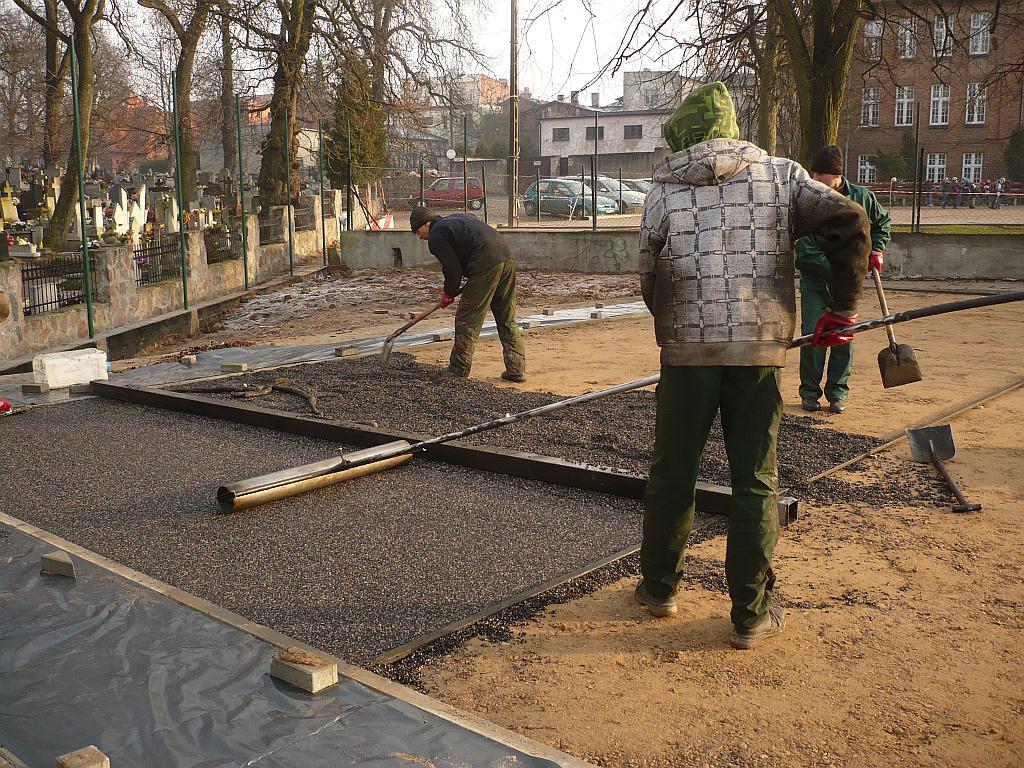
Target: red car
447, 192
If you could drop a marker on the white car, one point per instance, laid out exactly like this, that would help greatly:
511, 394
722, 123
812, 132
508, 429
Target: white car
632, 201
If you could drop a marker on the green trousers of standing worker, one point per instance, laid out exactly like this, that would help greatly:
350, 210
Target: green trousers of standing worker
814, 297
494, 289
750, 403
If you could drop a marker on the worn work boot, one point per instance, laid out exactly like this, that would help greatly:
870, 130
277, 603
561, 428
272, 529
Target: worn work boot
837, 406
518, 378
770, 626
455, 373
811, 405
658, 606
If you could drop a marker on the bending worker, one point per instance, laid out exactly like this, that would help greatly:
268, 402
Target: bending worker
467, 247
716, 271
815, 275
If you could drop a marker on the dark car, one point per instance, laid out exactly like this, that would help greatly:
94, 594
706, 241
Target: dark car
566, 198
448, 192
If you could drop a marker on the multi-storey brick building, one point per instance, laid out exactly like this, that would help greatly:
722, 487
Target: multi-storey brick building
959, 70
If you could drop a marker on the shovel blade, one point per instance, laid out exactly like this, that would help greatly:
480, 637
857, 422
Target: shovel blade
928, 443
385, 354
898, 366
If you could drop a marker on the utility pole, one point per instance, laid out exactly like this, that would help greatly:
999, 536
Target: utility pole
512, 182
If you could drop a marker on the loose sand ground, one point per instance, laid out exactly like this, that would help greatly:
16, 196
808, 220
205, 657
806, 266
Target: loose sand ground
904, 639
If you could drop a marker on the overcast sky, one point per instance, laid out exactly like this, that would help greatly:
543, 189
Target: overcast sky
565, 47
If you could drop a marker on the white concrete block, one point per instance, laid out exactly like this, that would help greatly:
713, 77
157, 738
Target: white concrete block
188, 359
62, 369
89, 757
348, 351
57, 563
527, 324
547, 312
443, 336
599, 306
34, 389
234, 367
381, 311
596, 315
308, 677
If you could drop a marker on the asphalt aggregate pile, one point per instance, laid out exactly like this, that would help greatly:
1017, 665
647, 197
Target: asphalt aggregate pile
616, 432
354, 570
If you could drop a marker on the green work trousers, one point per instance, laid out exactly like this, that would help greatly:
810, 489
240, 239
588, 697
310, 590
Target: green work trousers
494, 289
750, 403
814, 297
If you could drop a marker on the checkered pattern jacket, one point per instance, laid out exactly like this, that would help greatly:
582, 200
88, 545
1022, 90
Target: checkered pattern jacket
716, 252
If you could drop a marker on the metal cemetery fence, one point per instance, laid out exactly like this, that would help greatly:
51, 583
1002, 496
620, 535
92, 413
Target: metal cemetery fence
304, 220
156, 261
55, 282
271, 229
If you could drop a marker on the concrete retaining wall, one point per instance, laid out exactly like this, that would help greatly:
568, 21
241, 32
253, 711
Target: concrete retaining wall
981, 257
121, 303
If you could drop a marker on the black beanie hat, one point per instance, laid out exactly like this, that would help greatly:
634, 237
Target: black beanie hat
420, 216
828, 160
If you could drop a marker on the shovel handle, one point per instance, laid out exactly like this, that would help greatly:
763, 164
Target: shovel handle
412, 322
884, 305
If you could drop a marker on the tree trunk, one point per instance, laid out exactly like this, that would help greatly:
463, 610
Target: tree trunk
227, 94
291, 54
186, 129
63, 211
53, 96
768, 84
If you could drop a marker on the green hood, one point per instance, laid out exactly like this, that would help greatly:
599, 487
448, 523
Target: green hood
707, 113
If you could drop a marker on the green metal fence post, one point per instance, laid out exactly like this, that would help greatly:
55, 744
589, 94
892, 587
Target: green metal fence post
537, 190
323, 228
348, 190
288, 188
593, 193
80, 162
465, 164
179, 193
483, 183
421, 182
241, 192
620, 189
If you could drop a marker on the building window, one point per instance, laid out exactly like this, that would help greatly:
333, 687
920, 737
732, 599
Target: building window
935, 167
632, 132
559, 134
976, 98
866, 172
590, 133
869, 108
906, 39
651, 97
942, 35
873, 39
940, 105
980, 23
904, 106
972, 166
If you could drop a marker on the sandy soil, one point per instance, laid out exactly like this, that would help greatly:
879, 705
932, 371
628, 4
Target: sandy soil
905, 623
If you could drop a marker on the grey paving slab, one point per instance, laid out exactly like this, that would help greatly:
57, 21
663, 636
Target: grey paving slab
102, 660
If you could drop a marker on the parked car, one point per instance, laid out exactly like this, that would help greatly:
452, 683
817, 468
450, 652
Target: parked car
632, 201
638, 185
565, 197
447, 192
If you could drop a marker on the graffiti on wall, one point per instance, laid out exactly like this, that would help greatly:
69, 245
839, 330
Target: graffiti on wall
603, 255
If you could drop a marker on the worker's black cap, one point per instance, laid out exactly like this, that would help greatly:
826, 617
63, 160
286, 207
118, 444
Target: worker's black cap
421, 216
828, 160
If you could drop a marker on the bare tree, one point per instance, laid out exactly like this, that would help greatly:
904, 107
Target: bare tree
227, 92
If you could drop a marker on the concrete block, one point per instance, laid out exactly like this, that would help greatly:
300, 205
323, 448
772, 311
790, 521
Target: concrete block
89, 757
233, 367
35, 389
80, 389
547, 312
443, 336
527, 324
62, 369
58, 563
409, 315
348, 351
599, 306
187, 359
596, 315
381, 311
10, 760
312, 677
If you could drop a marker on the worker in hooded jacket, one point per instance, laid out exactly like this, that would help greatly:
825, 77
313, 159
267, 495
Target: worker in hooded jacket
717, 273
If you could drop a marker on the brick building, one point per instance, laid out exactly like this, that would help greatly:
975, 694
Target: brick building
958, 69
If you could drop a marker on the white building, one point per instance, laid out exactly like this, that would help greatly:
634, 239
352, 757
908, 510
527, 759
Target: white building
654, 89
630, 140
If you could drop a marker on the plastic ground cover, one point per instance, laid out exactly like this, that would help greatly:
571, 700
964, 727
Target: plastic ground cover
101, 660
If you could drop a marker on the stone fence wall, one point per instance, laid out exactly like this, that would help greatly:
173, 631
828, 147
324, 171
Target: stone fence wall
120, 301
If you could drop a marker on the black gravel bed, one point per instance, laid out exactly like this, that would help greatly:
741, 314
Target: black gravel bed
617, 432
355, 569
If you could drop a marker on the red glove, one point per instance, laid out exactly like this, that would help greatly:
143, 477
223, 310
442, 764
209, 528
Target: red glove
875, 260
446, 299
5, 405
828, 331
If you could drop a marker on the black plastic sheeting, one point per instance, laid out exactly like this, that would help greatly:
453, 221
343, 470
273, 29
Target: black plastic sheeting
100, 660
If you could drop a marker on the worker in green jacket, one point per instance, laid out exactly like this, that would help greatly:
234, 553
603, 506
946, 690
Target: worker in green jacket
815, 297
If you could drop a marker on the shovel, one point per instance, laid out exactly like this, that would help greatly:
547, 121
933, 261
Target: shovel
934, 445
389, 342
897, 363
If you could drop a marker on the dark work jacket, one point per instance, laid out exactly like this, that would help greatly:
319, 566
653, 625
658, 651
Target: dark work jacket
465, 246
